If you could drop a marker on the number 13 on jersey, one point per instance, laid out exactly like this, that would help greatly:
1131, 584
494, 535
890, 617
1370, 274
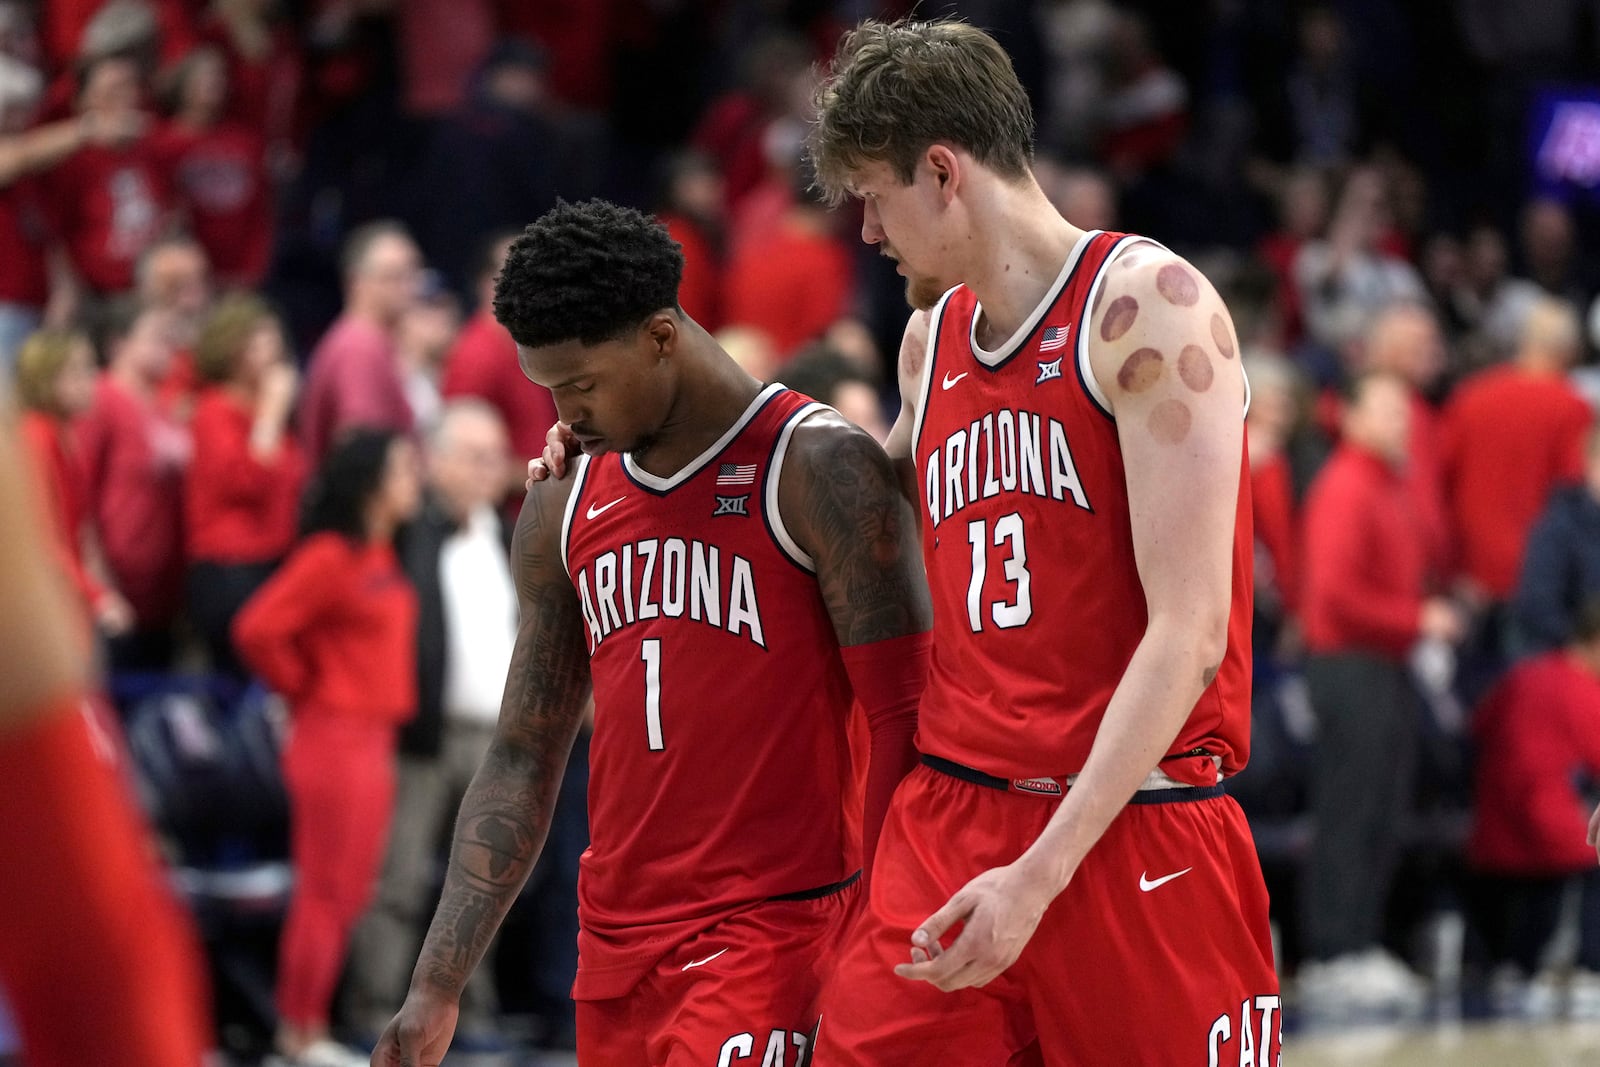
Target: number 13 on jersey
1007, 536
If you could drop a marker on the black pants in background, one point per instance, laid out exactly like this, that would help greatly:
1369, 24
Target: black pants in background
1362, 771
1518, 915
216, 593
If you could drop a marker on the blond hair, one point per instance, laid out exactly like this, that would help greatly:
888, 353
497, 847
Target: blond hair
225, 334
894, 88
39, 364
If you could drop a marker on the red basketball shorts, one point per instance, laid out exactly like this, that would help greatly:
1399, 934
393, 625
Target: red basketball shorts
742, 993
1157, 952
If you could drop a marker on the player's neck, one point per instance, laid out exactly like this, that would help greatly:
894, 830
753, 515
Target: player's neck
1023, 245
711, 397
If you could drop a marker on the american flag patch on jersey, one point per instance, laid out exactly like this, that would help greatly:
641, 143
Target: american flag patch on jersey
736, 474
1054, 338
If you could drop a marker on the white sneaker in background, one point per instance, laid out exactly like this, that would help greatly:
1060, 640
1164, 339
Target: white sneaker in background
1360, 985
322, 1054
1583, 996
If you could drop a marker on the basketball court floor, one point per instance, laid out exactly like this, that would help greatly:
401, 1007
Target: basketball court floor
1447, 1045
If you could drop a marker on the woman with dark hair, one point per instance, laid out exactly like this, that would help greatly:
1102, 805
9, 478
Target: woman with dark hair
334, 632
241, 491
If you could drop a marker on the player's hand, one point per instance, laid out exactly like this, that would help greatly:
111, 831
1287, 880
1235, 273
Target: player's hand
1594, 829
420, 1034
558, 445
998, 910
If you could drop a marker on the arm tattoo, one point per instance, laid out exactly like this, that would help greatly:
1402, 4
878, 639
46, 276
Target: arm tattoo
861, 531
506, 812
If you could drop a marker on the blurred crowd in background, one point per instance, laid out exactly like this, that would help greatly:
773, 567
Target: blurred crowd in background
240, 238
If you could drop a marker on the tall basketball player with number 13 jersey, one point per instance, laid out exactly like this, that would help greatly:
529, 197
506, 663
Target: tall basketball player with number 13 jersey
1065, 867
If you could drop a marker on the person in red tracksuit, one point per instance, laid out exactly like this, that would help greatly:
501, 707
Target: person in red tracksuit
334, 632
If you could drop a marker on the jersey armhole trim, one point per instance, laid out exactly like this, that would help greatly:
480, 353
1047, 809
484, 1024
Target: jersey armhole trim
925, 386
769, 492
579, 476
1086, 378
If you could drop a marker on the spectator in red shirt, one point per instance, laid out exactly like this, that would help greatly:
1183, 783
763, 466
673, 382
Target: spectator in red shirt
135, 456
797, 282
355, 376
174, 277
243, 489
109, 202
778, 80
266, 73
691, 210
219, 172
1302, 214
334, 632
25, 156
1512, 434
1364, 604
1541, 730
483, 363
55, 382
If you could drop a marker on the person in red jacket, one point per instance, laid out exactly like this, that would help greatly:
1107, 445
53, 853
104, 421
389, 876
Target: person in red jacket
1512, 433
243, 488
135, 455
334, 632
55, 382
219, 171
1364, 603
109, 202
1538, 733
483, 363
99, 963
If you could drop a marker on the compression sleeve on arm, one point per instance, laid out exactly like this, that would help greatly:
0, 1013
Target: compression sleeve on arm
888, 678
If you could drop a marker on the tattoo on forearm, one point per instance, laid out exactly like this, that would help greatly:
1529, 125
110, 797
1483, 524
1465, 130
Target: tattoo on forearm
864, 538
506, 812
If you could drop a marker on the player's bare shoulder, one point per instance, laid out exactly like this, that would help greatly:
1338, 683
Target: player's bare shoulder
840, 498
1162, 344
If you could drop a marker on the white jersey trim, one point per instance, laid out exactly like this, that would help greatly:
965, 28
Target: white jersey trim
694, 466
1014, 342
925, 386
1091, 384
580, 474
780, 533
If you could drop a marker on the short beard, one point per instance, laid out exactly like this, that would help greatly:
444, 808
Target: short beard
922, 293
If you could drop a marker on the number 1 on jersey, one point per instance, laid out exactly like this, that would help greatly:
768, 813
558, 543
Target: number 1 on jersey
650, 652
1007, 615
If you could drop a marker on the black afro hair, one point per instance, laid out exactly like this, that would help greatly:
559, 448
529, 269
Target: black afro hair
589, 272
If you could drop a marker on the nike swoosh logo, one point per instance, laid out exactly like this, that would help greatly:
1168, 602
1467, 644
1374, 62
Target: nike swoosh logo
950, 383
1146, 884
701, 963
595, 512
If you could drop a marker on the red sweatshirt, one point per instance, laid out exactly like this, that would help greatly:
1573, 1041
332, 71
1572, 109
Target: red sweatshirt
60, 482
1272, 491
220, 177
135, 456
1539, 731
238, 509
108, 205
335, 631
1365, 558
483, 363
1509, 438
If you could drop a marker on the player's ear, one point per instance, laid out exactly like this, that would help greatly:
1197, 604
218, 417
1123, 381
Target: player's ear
945, 167
662, 332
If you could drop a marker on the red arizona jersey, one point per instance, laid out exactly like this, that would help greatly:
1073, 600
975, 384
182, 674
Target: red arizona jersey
719, 763
1037, 602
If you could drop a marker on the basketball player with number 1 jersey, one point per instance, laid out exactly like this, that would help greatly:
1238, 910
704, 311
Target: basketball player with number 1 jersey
1064, 867
731, 565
